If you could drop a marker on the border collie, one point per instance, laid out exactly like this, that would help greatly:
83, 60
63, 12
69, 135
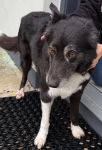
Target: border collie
61, 58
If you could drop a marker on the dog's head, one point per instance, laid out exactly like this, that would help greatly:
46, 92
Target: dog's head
72, 43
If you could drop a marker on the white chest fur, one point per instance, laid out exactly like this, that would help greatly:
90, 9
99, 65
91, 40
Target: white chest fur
72, 86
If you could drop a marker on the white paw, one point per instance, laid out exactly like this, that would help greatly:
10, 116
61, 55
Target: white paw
40, 141
41, 137
20, 94
77, 132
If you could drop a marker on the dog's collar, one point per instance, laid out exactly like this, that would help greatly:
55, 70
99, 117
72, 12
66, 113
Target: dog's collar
42, 38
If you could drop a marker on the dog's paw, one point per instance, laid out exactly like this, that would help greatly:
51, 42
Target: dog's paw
40, 141
20, 94
77, 132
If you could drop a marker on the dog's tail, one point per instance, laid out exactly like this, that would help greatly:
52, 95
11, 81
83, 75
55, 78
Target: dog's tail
8, 43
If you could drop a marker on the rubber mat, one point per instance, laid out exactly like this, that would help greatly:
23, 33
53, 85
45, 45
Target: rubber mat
20, 122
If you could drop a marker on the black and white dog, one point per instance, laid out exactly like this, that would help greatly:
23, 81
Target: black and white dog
61, 59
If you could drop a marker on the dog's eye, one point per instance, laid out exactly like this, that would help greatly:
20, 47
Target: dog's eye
52, 51
72, 54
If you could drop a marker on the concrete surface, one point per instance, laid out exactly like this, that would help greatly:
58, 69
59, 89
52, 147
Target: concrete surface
10, 76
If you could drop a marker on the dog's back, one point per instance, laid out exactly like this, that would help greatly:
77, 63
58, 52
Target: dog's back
34, 24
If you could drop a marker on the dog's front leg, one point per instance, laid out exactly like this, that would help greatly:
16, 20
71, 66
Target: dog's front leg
44, 126
77, 132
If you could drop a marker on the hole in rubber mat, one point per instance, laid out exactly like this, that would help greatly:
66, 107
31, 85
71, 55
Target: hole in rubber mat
20, 122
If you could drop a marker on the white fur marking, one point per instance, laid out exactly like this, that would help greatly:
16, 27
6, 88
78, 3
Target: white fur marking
46, 78
65, 52
42, 135
20, 93
33, 66
71, 86
77, 132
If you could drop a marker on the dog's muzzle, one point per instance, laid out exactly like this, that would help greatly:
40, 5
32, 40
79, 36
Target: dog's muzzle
52, 82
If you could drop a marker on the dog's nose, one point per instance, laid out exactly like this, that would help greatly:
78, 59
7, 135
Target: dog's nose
54, 83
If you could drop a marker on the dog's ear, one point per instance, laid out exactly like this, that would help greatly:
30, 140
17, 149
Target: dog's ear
86, 62
83, 67
56, 15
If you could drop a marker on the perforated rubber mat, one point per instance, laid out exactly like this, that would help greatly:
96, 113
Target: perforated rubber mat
20, 122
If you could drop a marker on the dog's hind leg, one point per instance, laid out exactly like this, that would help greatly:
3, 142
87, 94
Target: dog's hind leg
26, 63
44, 126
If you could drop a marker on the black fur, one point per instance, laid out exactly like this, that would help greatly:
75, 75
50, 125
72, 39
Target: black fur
74, 104
61, 32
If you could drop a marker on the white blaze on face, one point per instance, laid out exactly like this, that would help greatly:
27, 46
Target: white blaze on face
46, 77
33, 66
